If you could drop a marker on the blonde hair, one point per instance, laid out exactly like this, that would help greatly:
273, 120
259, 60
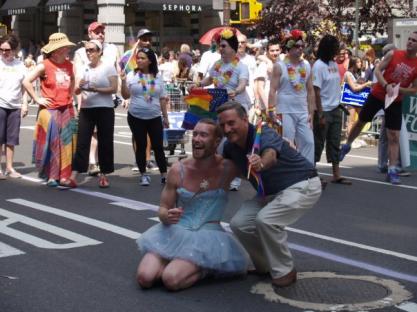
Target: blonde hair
185, 48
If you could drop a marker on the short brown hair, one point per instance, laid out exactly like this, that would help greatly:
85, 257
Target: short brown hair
217, 130
240, 110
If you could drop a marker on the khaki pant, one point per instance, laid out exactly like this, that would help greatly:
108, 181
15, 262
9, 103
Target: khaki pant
260, 227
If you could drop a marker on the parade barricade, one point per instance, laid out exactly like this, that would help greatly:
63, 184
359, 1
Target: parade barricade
175, 135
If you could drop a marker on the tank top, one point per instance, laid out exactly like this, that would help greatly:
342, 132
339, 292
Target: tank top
401, 69
290, 100
56, 84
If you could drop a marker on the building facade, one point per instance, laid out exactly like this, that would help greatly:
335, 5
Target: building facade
173, 22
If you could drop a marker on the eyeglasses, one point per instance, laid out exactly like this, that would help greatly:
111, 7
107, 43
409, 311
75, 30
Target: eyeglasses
5, 50
90, 50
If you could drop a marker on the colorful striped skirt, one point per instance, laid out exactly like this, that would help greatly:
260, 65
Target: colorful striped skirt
55, 142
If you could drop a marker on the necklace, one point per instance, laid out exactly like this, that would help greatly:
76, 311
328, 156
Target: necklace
300, 83
148, 86
221, 78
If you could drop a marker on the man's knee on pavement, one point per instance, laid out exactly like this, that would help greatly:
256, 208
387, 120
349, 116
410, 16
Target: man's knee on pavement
172, 280
145, 279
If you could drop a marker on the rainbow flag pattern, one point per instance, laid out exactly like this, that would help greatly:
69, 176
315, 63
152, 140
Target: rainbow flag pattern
256, 148
128, 61
202, 103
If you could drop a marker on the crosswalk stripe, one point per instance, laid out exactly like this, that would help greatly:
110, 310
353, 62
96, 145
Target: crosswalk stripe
72, 216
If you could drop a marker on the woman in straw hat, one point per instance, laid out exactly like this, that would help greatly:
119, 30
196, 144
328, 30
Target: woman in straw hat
55, 131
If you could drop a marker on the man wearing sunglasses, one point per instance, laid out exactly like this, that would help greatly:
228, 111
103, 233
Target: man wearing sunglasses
110, 55
292, 95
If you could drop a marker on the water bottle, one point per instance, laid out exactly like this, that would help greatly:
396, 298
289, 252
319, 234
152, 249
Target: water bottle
86, 78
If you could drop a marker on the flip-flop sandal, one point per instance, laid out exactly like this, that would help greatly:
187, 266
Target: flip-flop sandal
13, 174
103, 182
343, 181
69, 183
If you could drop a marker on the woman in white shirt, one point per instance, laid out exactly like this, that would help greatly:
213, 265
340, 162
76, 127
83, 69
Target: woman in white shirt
147, 113
96, 83
12, 72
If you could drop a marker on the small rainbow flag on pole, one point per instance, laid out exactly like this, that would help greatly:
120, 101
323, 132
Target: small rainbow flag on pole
256, 148
128, 61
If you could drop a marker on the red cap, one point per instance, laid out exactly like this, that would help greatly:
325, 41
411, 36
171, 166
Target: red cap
94, 25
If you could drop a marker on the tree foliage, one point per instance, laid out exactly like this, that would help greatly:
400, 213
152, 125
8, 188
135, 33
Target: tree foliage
316, 17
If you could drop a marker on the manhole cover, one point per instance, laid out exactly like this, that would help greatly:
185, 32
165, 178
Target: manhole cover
326, 291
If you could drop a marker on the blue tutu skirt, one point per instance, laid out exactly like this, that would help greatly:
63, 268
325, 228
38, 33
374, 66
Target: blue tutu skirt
214, 250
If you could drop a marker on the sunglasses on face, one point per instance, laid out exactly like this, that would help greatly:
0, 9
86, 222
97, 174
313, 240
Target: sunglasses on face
5, 50
90, 50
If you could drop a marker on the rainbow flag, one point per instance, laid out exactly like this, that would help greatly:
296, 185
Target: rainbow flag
128, 61
256, 148
202, 103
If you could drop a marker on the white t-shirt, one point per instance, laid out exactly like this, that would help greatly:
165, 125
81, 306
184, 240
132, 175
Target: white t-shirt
97, 77
109, 56
207, 61
11, 89
288, 99
140, 106
250, 62
261, 72
167, 70
240, 71
327, 78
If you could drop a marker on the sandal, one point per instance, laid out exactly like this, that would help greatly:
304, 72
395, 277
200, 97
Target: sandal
103, 182
70, 183
13, 174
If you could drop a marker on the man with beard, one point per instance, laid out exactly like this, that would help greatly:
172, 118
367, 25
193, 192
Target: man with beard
292, 94
291, 187
190, 243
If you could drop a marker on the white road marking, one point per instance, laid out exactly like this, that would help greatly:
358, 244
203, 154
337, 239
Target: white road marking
374, 181
329, 165
7, 251
407, 306
76, 217
353, 244
123, 143
77, 239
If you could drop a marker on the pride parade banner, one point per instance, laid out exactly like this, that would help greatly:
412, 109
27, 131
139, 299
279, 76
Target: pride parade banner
409, 106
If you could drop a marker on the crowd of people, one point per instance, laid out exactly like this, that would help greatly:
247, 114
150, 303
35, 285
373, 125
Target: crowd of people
279, 86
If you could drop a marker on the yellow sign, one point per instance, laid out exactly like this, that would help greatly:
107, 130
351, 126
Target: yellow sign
244, 11
3, 30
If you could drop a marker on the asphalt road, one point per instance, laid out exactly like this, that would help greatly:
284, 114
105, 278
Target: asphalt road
75, 250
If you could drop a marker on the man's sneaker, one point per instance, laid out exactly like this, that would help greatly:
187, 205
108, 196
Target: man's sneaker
145, 180
344, 149
402, 173
135, 169
382, 169
392, 177
234, 185
150, 165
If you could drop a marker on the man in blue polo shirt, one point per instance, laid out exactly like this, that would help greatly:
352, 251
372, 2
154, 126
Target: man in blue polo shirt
291, 187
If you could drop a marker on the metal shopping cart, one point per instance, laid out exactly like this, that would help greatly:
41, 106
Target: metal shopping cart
175, 134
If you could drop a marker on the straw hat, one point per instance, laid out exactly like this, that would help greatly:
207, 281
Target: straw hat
56, 41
